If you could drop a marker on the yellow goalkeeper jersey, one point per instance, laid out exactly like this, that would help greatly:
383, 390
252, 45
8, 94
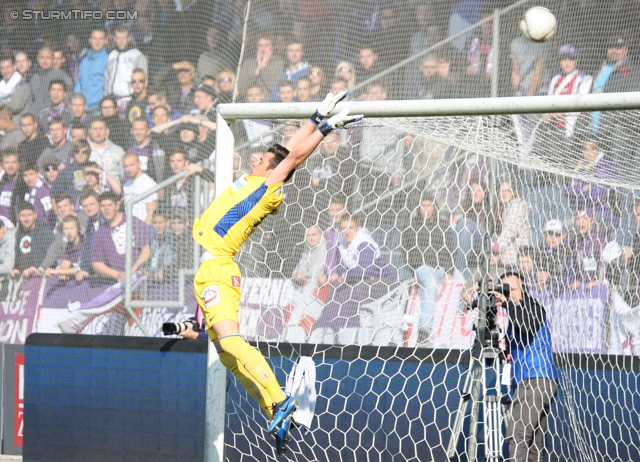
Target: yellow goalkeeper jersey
235, 214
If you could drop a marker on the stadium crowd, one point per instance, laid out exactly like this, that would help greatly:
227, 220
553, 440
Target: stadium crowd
93, 113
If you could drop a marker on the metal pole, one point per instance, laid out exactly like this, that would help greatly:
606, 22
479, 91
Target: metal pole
216, 372
443, 107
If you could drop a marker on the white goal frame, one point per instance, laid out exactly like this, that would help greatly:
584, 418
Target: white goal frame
225, 142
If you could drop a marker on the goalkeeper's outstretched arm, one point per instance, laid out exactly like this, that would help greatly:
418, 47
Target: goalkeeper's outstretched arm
307, 139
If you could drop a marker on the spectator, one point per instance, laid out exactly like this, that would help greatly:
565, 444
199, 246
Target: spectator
587, 251
78, 106
140, 133
39, 195
158, 98
209, 80
432, 84
536, 284
121, 63
599, 200
257, 130
162, 141
180, 193
553, 259
528, 65
108, 250
429, 243
24, 66
161, 248
264, 70
70, 260
318, 83
226, 82
32, 241
346, 72
477, 80
570, 81
205, 98
15, 92
59, 60
58, 108
286, 92
362, 276
50, 167
311, 265
9, 184
338, 86
103, 152
295, 69
79, 132
181, 92
10, 135
214, 59
303, 90
7, 248
41, 80
393, 38
118, 129
182, 244
58, 147
470, 228
74, 56
514, 227
91, 72
137, 105
31, 147
368, 65
137, 183
188, 137
91, 208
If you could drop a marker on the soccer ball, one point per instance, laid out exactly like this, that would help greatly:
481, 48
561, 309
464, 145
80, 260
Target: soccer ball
538, 24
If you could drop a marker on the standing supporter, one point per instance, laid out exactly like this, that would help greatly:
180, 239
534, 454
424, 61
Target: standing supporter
7, 248
553, 259
118, 129
9, 184
182, 244
91, 72
41, 80
587, 251
162, 251
296, 68
103, 152
59, 147
205, 99
368, 65
140, 133
470, 228
31, 147
318, 83
137, 183
256, 129
50, 167
180, 193
59, 60
528, 66
514, 227
39, 195
108, 250
303, 90
137, 105
58, 107
10, 135
214, 59
68, 267
15, 92
181, 92
74, 55
158, 98
91, 207
121, 63
78, 106
263, 70
346, 72
32, 241
226, 81
24, 66
429, 243
160, 145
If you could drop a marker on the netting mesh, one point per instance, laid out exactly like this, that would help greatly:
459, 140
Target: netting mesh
563, 210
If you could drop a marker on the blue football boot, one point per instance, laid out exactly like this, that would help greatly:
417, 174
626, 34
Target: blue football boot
282, 437
282, 411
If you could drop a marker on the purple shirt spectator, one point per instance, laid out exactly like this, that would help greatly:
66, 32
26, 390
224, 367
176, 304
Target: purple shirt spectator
40, 196
109, 243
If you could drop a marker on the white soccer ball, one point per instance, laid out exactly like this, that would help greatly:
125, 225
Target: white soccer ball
538, 24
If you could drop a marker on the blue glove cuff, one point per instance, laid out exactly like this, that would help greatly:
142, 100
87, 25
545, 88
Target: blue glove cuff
325, 129
316, 118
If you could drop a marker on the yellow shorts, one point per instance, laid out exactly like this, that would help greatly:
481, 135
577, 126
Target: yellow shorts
217, 288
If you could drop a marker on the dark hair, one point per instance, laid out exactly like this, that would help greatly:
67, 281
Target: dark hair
165, 108
305, 79
97, 119
109, 98
527, 250
58, 82
180, 214
71, 219
109, 196
10, 152
286, 83
155, 90
354, 218
279, 154
30, 166
139, 70
62, 197
160, 212
80, 145
25, 115
338, 199
82, 127
87, 192
57, 120
24, 205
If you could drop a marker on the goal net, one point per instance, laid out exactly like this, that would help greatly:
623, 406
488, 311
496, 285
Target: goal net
427, 194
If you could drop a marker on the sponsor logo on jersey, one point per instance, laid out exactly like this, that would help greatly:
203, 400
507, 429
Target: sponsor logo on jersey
239, 183
235, 281
211, 296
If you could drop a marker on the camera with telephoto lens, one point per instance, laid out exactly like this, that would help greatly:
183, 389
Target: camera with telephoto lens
175, 328
492, 333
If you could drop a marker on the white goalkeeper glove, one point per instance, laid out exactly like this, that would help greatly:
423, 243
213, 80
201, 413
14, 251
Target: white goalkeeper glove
338, 121
327, 106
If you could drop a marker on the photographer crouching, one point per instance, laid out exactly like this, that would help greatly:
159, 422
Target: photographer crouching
535, 379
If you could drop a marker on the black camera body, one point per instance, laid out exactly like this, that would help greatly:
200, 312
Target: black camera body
175, 328
492, 334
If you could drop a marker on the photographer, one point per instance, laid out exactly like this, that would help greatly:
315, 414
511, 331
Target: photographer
535, 378
193, 328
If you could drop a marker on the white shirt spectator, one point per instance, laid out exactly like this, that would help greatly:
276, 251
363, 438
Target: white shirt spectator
133, 188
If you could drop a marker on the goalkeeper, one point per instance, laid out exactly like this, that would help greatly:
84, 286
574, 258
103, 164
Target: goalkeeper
221, 230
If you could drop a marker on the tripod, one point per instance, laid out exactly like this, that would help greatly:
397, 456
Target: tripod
495, 409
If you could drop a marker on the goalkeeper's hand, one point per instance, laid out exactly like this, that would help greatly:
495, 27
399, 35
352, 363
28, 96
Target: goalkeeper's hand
338, 121
327, 106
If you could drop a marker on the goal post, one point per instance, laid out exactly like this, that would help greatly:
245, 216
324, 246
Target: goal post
460, 128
